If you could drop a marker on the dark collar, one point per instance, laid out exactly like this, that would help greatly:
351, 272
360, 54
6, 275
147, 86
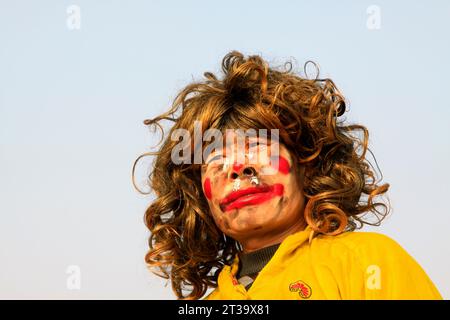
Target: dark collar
253, 262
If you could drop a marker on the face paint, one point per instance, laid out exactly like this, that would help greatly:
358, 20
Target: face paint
246, 209
237, 166
207, 188
283, 164
250, 196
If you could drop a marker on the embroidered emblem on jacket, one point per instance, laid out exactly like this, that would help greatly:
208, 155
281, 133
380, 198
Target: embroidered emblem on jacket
302, 288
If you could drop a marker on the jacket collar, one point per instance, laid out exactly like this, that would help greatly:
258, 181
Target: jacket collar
229, 284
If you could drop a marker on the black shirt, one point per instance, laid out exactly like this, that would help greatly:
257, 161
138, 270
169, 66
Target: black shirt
250, 264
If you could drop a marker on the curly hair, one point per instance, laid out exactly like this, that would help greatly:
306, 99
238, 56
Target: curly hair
339, 184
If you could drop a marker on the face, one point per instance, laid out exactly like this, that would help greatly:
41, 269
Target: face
254, 195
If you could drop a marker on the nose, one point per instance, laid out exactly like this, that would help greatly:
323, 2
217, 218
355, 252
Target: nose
240, 170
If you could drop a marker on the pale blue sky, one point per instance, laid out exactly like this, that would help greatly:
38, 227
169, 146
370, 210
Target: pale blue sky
72, 104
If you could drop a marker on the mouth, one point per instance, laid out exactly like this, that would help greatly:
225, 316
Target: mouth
250, 196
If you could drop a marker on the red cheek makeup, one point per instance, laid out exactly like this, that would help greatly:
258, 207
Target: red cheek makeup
237, 166
283, 164
250, 196
207, 188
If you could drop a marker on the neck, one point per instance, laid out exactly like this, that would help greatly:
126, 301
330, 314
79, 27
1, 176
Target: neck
254, 242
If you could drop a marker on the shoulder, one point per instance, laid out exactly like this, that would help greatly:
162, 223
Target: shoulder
358, 240
376, 263
363, 247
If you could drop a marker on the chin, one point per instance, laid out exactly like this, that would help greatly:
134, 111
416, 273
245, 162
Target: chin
237, 233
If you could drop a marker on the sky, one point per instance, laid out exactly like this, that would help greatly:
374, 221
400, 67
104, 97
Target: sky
77, 78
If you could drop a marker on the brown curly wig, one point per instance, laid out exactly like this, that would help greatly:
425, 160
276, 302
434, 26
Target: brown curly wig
340, 187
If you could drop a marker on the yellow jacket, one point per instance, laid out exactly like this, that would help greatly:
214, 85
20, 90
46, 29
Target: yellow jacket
352, 265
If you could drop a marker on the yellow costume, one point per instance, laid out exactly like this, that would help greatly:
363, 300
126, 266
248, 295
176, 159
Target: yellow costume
352, 265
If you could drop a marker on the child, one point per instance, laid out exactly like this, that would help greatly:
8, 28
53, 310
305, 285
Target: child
271, 213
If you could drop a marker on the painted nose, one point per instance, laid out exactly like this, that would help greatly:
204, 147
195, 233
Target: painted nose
240, 170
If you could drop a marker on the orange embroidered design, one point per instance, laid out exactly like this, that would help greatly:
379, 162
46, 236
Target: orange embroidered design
302, 288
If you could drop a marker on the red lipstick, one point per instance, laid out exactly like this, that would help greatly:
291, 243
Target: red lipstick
250, 196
